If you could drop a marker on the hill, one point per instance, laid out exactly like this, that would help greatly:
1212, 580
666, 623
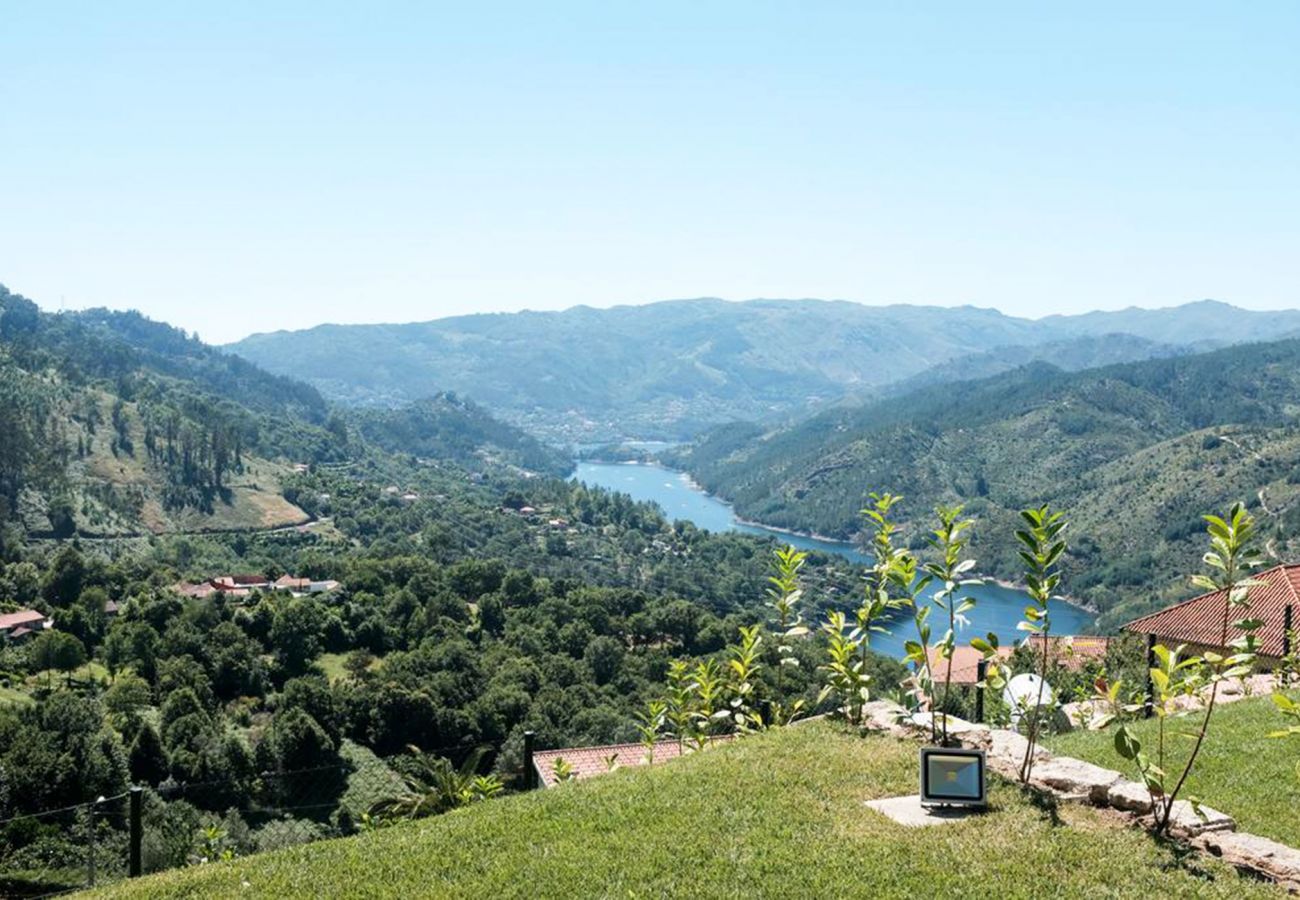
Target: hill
1071, 355
1134, 452
669, 369
775, 815
447, 427
117, 425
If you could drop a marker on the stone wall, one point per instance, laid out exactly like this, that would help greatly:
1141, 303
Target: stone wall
1073, 780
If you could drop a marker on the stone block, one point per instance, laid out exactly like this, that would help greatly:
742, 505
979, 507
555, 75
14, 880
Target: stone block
1074, 778
1248, 851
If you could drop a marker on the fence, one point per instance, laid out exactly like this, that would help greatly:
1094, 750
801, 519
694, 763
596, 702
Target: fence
148, 829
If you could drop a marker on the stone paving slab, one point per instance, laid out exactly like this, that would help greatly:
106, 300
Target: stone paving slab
909, 811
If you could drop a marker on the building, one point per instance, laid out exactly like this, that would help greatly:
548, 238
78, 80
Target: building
965, 664
1071, 652
16, 626
1199, 622
243, 585
300, 586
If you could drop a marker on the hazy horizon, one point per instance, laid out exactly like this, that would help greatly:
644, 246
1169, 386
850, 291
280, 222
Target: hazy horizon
243, 169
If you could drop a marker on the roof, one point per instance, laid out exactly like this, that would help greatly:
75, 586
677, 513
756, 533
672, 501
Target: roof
1200, 620
589, 761
241, 580
1072, 651
22, 617
965, 664
22, 631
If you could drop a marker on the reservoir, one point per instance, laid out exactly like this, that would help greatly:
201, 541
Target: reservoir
999, 609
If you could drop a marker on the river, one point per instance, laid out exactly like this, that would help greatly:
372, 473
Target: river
998, 608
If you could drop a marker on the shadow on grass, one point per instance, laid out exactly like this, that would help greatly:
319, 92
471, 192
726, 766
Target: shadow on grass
1048, 806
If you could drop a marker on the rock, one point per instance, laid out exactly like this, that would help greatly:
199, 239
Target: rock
1248, 851
1186, 823
1074, 779
882, 714
1006, 751
1129, 796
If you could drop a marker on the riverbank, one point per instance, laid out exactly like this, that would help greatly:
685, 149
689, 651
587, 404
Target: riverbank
1008, 584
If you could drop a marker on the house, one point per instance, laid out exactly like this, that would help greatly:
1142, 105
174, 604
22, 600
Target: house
1071, 652
245, 583
198, 591
1199, 622
22, 624
300, 586
965, 664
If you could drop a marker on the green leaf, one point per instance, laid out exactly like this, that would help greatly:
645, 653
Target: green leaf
1126, 744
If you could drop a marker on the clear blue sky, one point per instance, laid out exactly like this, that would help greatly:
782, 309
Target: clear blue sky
234, 169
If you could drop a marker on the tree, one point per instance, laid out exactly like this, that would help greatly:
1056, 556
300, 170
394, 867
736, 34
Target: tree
147, 759
1231, 556
56, 650
1041, 553
947, 571
66, 577
604, 656
126, 699
296, 633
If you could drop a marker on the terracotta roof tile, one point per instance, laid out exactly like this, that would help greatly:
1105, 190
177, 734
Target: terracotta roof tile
1200, 620
22, 617
1073, 651
965, 664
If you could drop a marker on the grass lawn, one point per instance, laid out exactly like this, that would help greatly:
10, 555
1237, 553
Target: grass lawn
1240, 771
332, 665
92, 670
11, 697
777, 815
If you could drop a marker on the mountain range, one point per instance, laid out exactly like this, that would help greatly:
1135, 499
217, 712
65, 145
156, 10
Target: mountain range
671, 369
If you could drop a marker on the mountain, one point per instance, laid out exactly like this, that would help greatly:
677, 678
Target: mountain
1071, 355
1134, 452
113, 424
669, 369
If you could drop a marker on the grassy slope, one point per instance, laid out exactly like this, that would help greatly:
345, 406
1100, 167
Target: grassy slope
776, 815
1240, 771
255, 503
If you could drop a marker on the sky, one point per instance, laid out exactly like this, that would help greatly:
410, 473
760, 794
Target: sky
242, 167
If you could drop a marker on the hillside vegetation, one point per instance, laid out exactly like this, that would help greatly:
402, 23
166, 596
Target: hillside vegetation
778, 815
447, 427
117, 425
669, 369
1134, 452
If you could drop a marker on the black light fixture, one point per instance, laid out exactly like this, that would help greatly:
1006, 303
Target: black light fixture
953, 777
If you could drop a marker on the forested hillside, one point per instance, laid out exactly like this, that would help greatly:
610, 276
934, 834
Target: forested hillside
115, 425
666, 370
447, 427
1134, 452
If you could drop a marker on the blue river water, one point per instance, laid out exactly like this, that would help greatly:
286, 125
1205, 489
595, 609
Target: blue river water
998, 609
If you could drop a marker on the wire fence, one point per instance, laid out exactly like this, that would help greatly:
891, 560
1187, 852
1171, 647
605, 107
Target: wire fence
152, 828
